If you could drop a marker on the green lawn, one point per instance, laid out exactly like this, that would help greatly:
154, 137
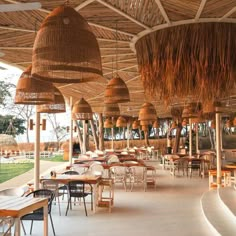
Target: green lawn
57, 158
11, 170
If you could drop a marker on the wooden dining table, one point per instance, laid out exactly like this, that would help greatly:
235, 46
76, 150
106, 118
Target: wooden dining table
16, 207
90, 179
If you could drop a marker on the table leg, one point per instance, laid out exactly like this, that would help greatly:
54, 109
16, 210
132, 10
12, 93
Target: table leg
17, 226
45, 220
95, 197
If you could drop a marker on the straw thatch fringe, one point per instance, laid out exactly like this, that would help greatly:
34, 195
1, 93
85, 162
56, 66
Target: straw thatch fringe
197, 59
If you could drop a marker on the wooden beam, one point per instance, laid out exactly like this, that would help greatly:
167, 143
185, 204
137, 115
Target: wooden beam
229, 13
83, 5
200, 9
125, 68
123, 14
162, 10
120, 54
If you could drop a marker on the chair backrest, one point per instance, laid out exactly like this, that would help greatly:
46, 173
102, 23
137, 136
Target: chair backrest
96, 169
51, 185
76, 188
71, 172
13, 192
138, 172
118, 171
43, 193
113, 159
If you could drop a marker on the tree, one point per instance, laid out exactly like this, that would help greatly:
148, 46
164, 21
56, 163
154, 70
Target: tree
59, 131
5, 92
11, 125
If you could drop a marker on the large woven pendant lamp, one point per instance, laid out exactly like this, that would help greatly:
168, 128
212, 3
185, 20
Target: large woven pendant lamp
108, 123
116, 91
58, 106
82, 110
111, 110
32, 91
65, 49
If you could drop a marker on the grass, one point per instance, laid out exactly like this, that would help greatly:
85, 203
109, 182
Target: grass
57, 158
11, 170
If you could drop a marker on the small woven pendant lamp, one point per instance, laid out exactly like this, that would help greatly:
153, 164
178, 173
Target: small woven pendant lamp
234, 122
108, 123
32, 91
147, 112
82, 110
58, 106
156, 124
65, 49
111, 110
121, 122
136, 125
116, 91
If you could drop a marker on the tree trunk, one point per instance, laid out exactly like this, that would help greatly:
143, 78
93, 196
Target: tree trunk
94, 134
101, 134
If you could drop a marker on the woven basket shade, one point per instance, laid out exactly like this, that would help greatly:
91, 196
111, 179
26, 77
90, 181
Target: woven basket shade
198, 120
210, 107
82, 110
156, 124
144, 127
145, 122
135, 124
32, 91
173, 125
176, 112
116, 91
147, 112
234, 122
111, 110
184, 122
108, 123
213, 124
58, 106
65, 49
121, 122
228, 124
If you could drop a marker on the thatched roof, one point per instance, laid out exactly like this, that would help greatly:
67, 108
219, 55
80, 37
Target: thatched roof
118, 26
7, 142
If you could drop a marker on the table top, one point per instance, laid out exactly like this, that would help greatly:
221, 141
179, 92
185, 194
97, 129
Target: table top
67, 178
18, 206
231, 165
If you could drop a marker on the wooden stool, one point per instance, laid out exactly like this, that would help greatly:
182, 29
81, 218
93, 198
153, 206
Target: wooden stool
225, 175
106, 198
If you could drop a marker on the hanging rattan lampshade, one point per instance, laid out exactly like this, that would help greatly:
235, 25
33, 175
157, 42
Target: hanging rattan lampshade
156, 124
108, 123
121, 122
174, 125
135, 124
32, 91
116, 91
228, 123
234, 122
213, 124
111, 110
82, 110
58, 106
65, 49
184, 122
144, 127
147, 112
145, 122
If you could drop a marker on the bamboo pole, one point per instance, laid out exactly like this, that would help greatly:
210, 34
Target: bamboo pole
95, 137
218, 150
101, 134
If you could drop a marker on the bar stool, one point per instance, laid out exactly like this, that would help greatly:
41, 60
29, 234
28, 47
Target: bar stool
225, 175
106, 198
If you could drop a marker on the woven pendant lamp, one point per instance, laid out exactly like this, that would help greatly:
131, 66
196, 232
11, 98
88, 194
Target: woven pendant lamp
144, 127
136, 125
156, 124
213, 124
184, 122
145, 122
65, 49
58, 106
121, 122
108, 123
228, 124
234, 122
147, 112
82, 110
32, 91
111, 110
116, 91
173, 125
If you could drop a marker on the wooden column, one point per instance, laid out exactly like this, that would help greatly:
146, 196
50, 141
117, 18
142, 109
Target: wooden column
95, 137
37, 151
218, 150
190, 138
101, 134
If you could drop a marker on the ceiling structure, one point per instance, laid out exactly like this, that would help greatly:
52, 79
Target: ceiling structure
117, 25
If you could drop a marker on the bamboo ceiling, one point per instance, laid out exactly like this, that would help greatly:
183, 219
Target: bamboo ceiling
118, 25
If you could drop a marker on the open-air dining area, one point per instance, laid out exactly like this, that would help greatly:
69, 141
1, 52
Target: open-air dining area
141, 97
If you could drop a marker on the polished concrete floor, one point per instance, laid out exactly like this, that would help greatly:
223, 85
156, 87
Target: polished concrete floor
172, 209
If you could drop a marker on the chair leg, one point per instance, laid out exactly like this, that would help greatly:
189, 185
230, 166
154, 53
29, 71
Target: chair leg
31, 227
23, 227
85, 208
52, 225
59, 205
91, 200
67, 208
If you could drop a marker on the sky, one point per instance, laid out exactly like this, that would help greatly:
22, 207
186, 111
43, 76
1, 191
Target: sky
12, 74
